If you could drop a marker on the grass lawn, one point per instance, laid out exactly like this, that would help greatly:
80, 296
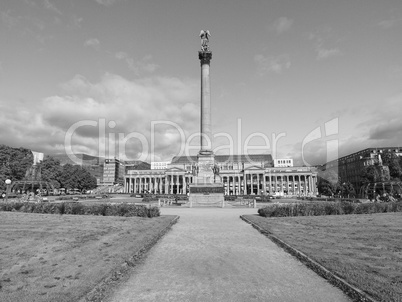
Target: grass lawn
45, 257
365, 250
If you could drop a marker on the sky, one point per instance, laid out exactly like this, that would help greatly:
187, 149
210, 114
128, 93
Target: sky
304, 79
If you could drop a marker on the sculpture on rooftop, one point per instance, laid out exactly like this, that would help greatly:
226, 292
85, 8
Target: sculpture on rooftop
204, 35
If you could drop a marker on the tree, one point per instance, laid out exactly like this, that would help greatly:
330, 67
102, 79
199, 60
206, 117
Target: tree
375, 173
14, 163
328, 183
68, 177
86, 180
76, 177
51, 171
392, 160
347, 189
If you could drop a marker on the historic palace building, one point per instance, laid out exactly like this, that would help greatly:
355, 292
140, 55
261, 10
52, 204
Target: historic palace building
256, 174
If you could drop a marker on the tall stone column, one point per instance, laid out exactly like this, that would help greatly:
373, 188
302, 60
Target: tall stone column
206, 131
245, 184
270, 183
133, 185
206, 159
299, 176
207, 184
264, 184
294, 184
251, 184
166, 184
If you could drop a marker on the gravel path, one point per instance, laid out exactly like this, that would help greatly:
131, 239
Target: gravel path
212, 255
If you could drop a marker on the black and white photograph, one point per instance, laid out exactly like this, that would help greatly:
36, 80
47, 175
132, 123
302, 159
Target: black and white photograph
199, 150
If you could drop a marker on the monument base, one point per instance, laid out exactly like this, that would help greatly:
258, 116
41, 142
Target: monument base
206, 195
205, 173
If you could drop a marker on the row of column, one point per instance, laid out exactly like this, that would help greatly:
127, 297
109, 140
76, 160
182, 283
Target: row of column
291, 184
169, 184
254, 183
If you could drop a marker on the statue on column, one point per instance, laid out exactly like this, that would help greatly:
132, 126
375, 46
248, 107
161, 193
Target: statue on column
205, 34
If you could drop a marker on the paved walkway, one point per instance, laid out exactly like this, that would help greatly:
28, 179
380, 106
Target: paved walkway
212, 255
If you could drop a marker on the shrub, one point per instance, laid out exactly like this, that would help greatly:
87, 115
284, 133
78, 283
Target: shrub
153, 212
8, 206
75, 208
150, 199
347, 208
328, 208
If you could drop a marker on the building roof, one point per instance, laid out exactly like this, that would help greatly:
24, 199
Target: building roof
363, 153
243, 158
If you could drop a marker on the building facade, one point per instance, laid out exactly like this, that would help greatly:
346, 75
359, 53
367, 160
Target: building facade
159, 165
113, 171
350, 167
280, 163
240, 174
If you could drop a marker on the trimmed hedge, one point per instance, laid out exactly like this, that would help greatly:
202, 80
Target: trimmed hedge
328, 208
71, 197
75, 208
258, 198
155, 198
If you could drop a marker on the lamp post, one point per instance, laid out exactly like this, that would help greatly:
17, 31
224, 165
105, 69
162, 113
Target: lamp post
8, 183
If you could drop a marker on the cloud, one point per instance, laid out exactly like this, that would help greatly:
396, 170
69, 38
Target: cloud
387, 130
107, 2
76, 22
323, 53
42, 124
390, 23
93, 42
320, 40
145, 64
8, 20
50, 6
273, 64
282, 24
25, 25
314, 153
